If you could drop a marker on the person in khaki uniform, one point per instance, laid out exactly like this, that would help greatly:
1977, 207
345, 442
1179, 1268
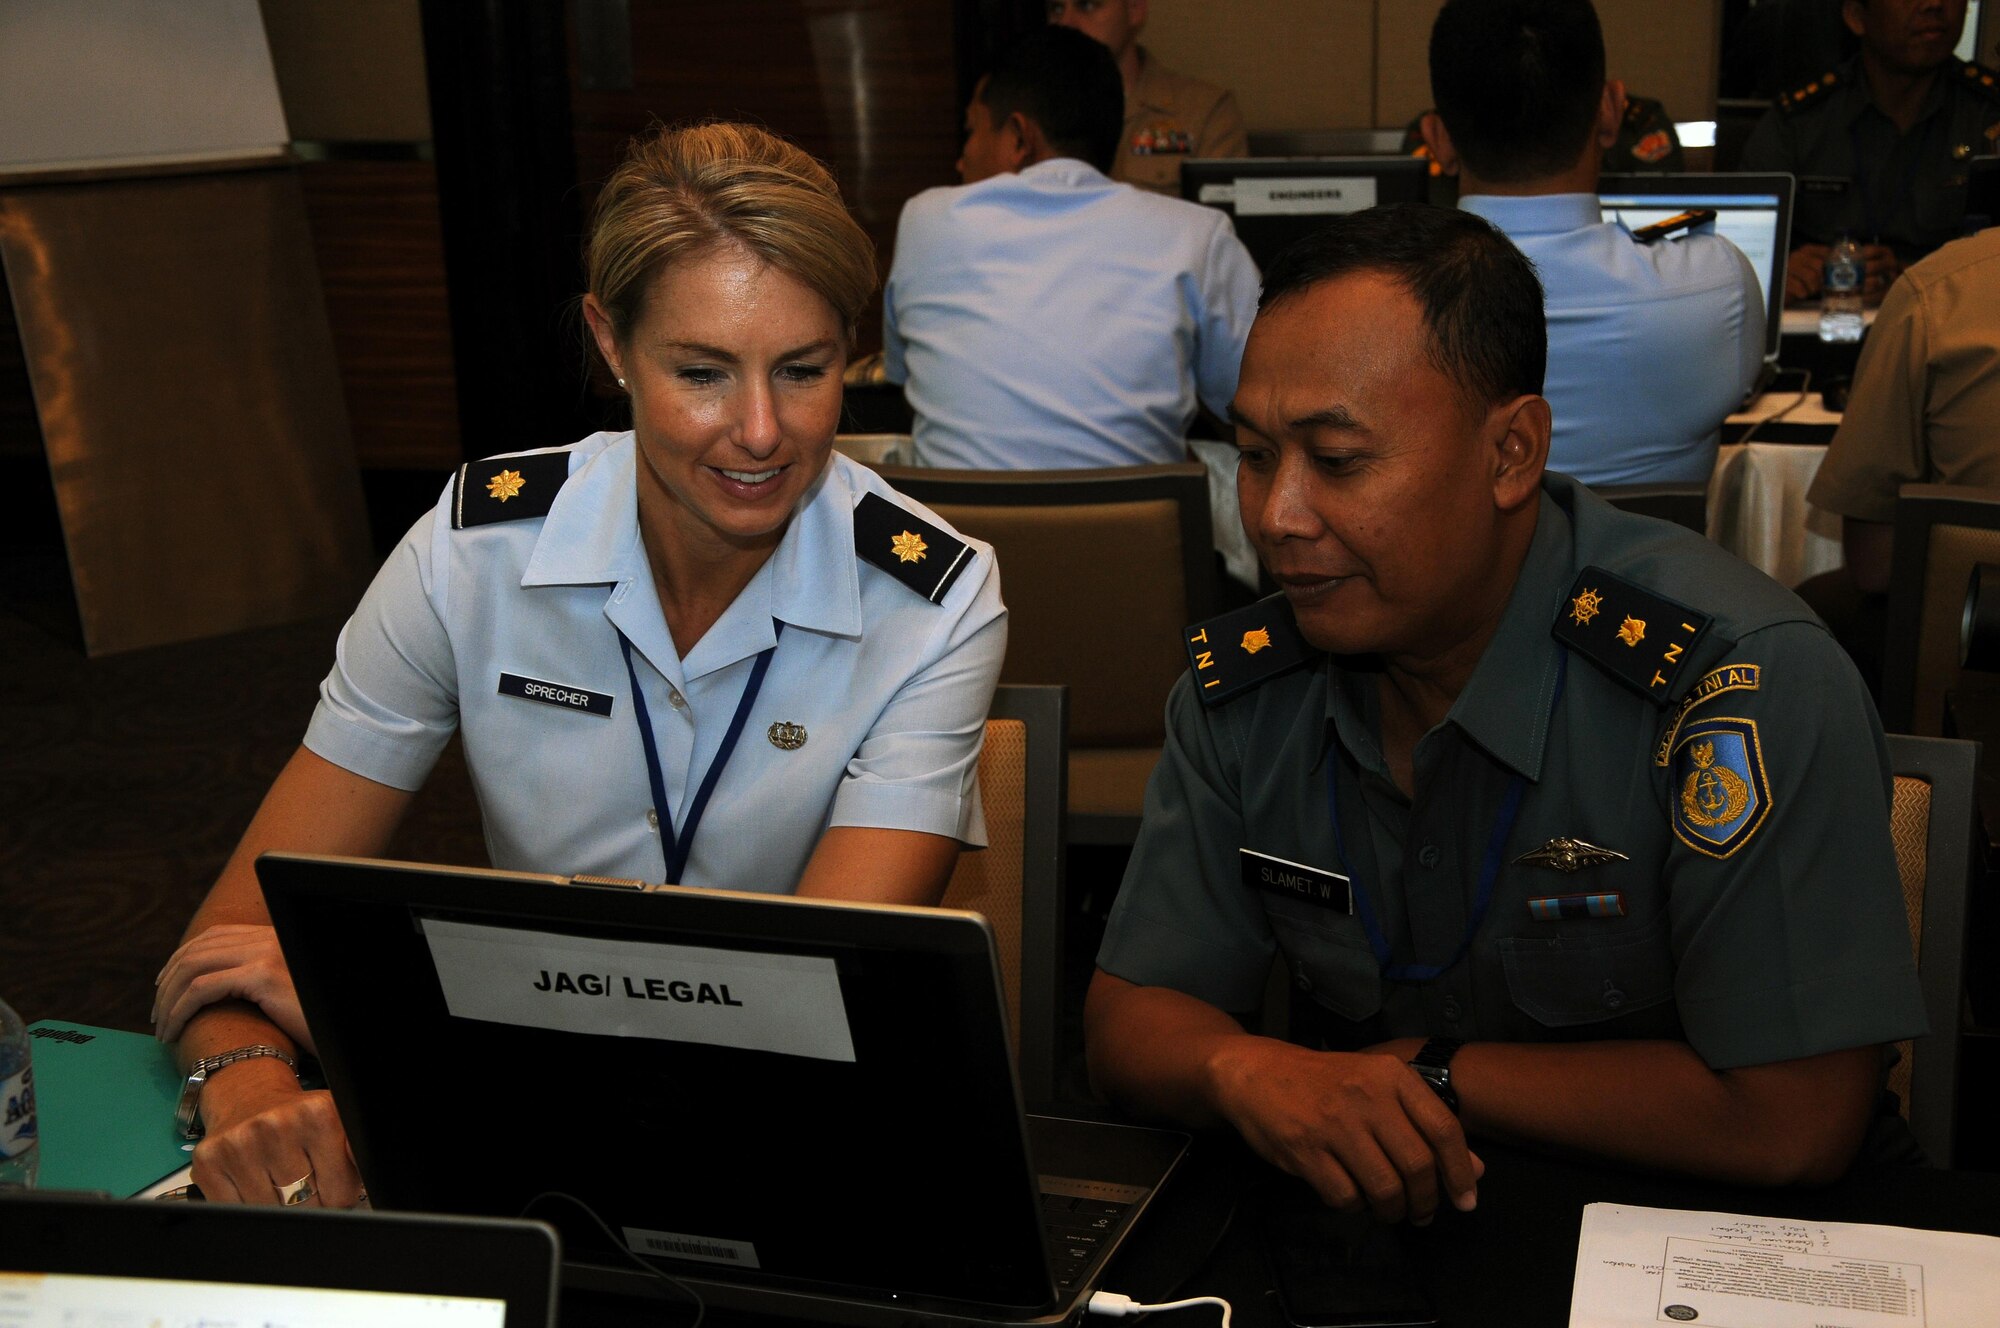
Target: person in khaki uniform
1168, 116
1924, 409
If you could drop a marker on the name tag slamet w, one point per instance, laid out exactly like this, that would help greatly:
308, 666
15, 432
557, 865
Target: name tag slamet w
555, 694
1295, 880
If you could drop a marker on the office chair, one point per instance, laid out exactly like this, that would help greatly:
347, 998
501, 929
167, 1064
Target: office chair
1101, 569
1933, 822
1017, 880
1942, 532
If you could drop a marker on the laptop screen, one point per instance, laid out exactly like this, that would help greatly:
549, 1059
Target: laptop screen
1753, 212
61, 1300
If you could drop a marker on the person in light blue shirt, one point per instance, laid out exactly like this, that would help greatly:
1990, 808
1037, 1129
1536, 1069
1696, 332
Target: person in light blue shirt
706, 651
1650, 345
1043, 316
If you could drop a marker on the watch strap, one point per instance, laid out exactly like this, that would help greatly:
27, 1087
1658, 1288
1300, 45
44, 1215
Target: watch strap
1433, 1065
187, 1113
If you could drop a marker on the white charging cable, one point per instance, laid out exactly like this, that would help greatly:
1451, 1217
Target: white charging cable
1114, 1306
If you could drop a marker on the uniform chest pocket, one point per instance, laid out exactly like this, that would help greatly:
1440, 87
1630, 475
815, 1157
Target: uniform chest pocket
1581, 978
1329, 958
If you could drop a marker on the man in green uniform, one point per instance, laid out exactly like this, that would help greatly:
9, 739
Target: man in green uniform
1595, 808
1169, 117
1880, 145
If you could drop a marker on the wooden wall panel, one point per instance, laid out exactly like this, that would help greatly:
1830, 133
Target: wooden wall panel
870, 86
381, 259
1294, 64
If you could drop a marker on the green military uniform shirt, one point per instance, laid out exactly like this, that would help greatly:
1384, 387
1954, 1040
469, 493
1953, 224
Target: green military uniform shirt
1752, 910
1858, 176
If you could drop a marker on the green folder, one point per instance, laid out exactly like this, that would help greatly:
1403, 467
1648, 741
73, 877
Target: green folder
104, 1103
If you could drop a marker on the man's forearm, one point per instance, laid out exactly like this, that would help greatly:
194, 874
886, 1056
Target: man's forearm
1150, 1049
1656, 1104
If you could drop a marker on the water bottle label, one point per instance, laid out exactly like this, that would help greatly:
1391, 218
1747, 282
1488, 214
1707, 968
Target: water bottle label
17, 1114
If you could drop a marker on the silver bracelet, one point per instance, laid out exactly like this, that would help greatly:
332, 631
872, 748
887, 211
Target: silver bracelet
188, 1113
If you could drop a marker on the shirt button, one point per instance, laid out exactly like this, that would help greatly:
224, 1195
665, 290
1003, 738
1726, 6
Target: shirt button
652, 819
1451, 1010
675, 699
1428, 855
1304, 982
1613, 998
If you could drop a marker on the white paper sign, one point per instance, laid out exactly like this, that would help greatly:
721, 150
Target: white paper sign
1305, 197
1639, 1267
790, 1004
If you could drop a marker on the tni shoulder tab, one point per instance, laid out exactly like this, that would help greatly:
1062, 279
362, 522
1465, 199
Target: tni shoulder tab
1244, 649
1632, 634
507, 488
1813, 93
922, 556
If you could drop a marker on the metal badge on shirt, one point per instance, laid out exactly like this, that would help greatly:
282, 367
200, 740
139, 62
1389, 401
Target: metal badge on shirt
556, 694
1295, 880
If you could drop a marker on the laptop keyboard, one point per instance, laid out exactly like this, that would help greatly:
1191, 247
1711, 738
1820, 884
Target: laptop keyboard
1077, 1230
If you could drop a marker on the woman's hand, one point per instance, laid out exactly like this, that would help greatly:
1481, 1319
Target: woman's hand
229, 961
266, 1133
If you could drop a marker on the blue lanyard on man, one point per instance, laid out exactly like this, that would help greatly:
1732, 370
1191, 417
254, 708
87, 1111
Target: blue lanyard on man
1489, 867
676, 846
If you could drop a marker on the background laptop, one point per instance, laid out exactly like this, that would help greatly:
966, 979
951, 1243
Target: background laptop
796, 1106
1754, 212
1272, 201
70, 1259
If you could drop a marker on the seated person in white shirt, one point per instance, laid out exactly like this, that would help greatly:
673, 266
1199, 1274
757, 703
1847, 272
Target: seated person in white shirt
1043, 316
1650, 345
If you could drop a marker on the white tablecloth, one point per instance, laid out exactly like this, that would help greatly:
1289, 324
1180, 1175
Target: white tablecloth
1757, 505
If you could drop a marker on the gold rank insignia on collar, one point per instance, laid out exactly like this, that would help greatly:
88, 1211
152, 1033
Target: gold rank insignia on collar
923, 556
1570, 856
1632, 634
1243, 649
507, 488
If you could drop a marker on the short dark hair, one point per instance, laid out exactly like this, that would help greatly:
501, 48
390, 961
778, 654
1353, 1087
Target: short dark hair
1481, 300
1517, 83
1068, 84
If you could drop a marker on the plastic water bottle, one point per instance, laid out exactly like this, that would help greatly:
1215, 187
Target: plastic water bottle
1840, 293
20, 1146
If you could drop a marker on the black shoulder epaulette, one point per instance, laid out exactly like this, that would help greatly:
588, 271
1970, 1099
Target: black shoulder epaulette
1811, 94
507, 488
1637, 637
1244, 649
922, 556
1982, 81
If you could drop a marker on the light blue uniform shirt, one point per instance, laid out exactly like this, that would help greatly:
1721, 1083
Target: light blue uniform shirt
1650, 345
891, 689
1053, 318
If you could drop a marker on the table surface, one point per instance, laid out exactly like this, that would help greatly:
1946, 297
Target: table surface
1511, 1261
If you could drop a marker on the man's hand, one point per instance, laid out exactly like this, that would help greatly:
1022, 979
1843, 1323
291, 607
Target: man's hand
1804, 271
264, 1131
230, 961
1360, 1128
1881, 268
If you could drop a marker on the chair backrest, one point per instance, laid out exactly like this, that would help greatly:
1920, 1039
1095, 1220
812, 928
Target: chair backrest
1101, 569
1942, 532
1933, 823
1017, 880
1682, 504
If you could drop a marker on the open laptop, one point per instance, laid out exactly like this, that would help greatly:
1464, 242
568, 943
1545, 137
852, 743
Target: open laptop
1752, 211
793, 1106
69, 1259
1273, 201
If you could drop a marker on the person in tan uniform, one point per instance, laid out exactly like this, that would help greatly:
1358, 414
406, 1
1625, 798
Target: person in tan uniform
1168, 116
1922, 410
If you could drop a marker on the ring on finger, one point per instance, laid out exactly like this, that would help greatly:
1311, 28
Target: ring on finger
297, 1192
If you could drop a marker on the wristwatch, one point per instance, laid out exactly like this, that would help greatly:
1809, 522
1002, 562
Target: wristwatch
1433, 1066
188, 1113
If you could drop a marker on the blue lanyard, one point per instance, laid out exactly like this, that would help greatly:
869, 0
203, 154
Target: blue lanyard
1489, 867
677, 846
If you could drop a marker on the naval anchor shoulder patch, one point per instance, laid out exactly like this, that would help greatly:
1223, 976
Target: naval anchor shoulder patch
924, 557
1240, 650
1632, 634
507, 488
1717, 786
